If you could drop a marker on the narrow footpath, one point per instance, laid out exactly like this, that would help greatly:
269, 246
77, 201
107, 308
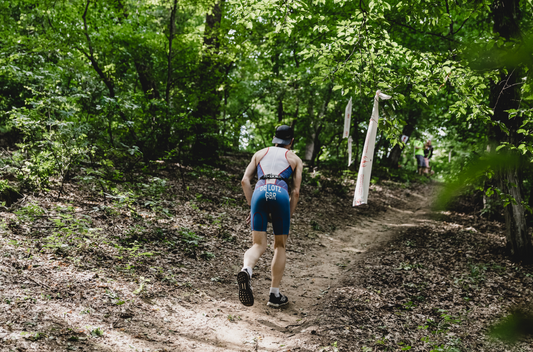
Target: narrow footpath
213, 321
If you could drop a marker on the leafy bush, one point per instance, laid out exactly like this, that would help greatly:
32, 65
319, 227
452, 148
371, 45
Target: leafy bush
190, 240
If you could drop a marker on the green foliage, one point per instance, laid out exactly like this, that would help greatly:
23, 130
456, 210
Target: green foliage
190, 240
97, 332
311, 179
513, 327
142, 282
111, 89
54, 139
474, 173
29, 212
102, 92
234, 318
314, 225
207, 255
4, 185
70, 232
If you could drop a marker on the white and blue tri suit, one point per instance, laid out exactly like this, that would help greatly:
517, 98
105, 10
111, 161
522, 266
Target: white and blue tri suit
271, 194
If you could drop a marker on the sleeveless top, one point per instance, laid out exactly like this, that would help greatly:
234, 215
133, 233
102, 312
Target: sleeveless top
274, 162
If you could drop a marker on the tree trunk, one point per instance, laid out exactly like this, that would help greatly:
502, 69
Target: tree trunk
317, 146
518, 239
108, 81
316, 140
280, 109
310, 145
309, 148
396, 152
171, 34
505, 95
210, 78
146, 78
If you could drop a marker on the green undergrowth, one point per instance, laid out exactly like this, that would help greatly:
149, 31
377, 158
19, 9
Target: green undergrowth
129, 227
139, 220
405, 176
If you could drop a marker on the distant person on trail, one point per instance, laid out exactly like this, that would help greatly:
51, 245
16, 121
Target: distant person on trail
428, 153
419, 155
274, 166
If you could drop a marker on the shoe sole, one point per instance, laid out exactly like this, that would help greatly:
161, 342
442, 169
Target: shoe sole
246, 295
277, 305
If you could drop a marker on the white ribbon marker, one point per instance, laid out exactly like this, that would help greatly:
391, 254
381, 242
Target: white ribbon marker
365, 169
350, 140
347, 119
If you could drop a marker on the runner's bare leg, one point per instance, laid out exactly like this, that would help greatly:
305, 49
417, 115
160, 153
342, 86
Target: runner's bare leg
251, 256
279, 259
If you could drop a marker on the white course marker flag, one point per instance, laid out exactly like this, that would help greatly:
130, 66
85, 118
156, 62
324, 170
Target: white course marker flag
350, 141
365, 169
347, 119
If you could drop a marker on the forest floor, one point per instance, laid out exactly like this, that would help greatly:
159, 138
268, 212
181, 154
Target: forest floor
152, 267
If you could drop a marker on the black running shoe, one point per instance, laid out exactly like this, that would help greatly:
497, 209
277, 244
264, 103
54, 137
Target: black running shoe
277, 301
246, 295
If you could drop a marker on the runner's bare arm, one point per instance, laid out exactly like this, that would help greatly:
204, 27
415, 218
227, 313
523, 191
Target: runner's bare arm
246, 181
297, 181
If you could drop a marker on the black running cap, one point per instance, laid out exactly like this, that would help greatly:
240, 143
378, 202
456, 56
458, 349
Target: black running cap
284, 135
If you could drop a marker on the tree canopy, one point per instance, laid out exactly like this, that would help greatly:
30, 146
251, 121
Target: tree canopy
96, 88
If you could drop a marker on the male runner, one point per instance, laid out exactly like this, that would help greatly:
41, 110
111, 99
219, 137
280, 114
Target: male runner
419, 155
273, 166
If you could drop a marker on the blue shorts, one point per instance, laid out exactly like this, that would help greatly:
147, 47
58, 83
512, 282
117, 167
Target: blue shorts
421, 161
274, 200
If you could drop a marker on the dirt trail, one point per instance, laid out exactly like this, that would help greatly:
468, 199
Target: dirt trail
216, 321
205, 315
185, 300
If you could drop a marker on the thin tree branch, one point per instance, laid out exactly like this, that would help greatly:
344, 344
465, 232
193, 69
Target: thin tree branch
244, 110
346, 60
109, 84
172, 29
464, 22
501, 91
421, 32
451, 23
512, 85
355, 46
